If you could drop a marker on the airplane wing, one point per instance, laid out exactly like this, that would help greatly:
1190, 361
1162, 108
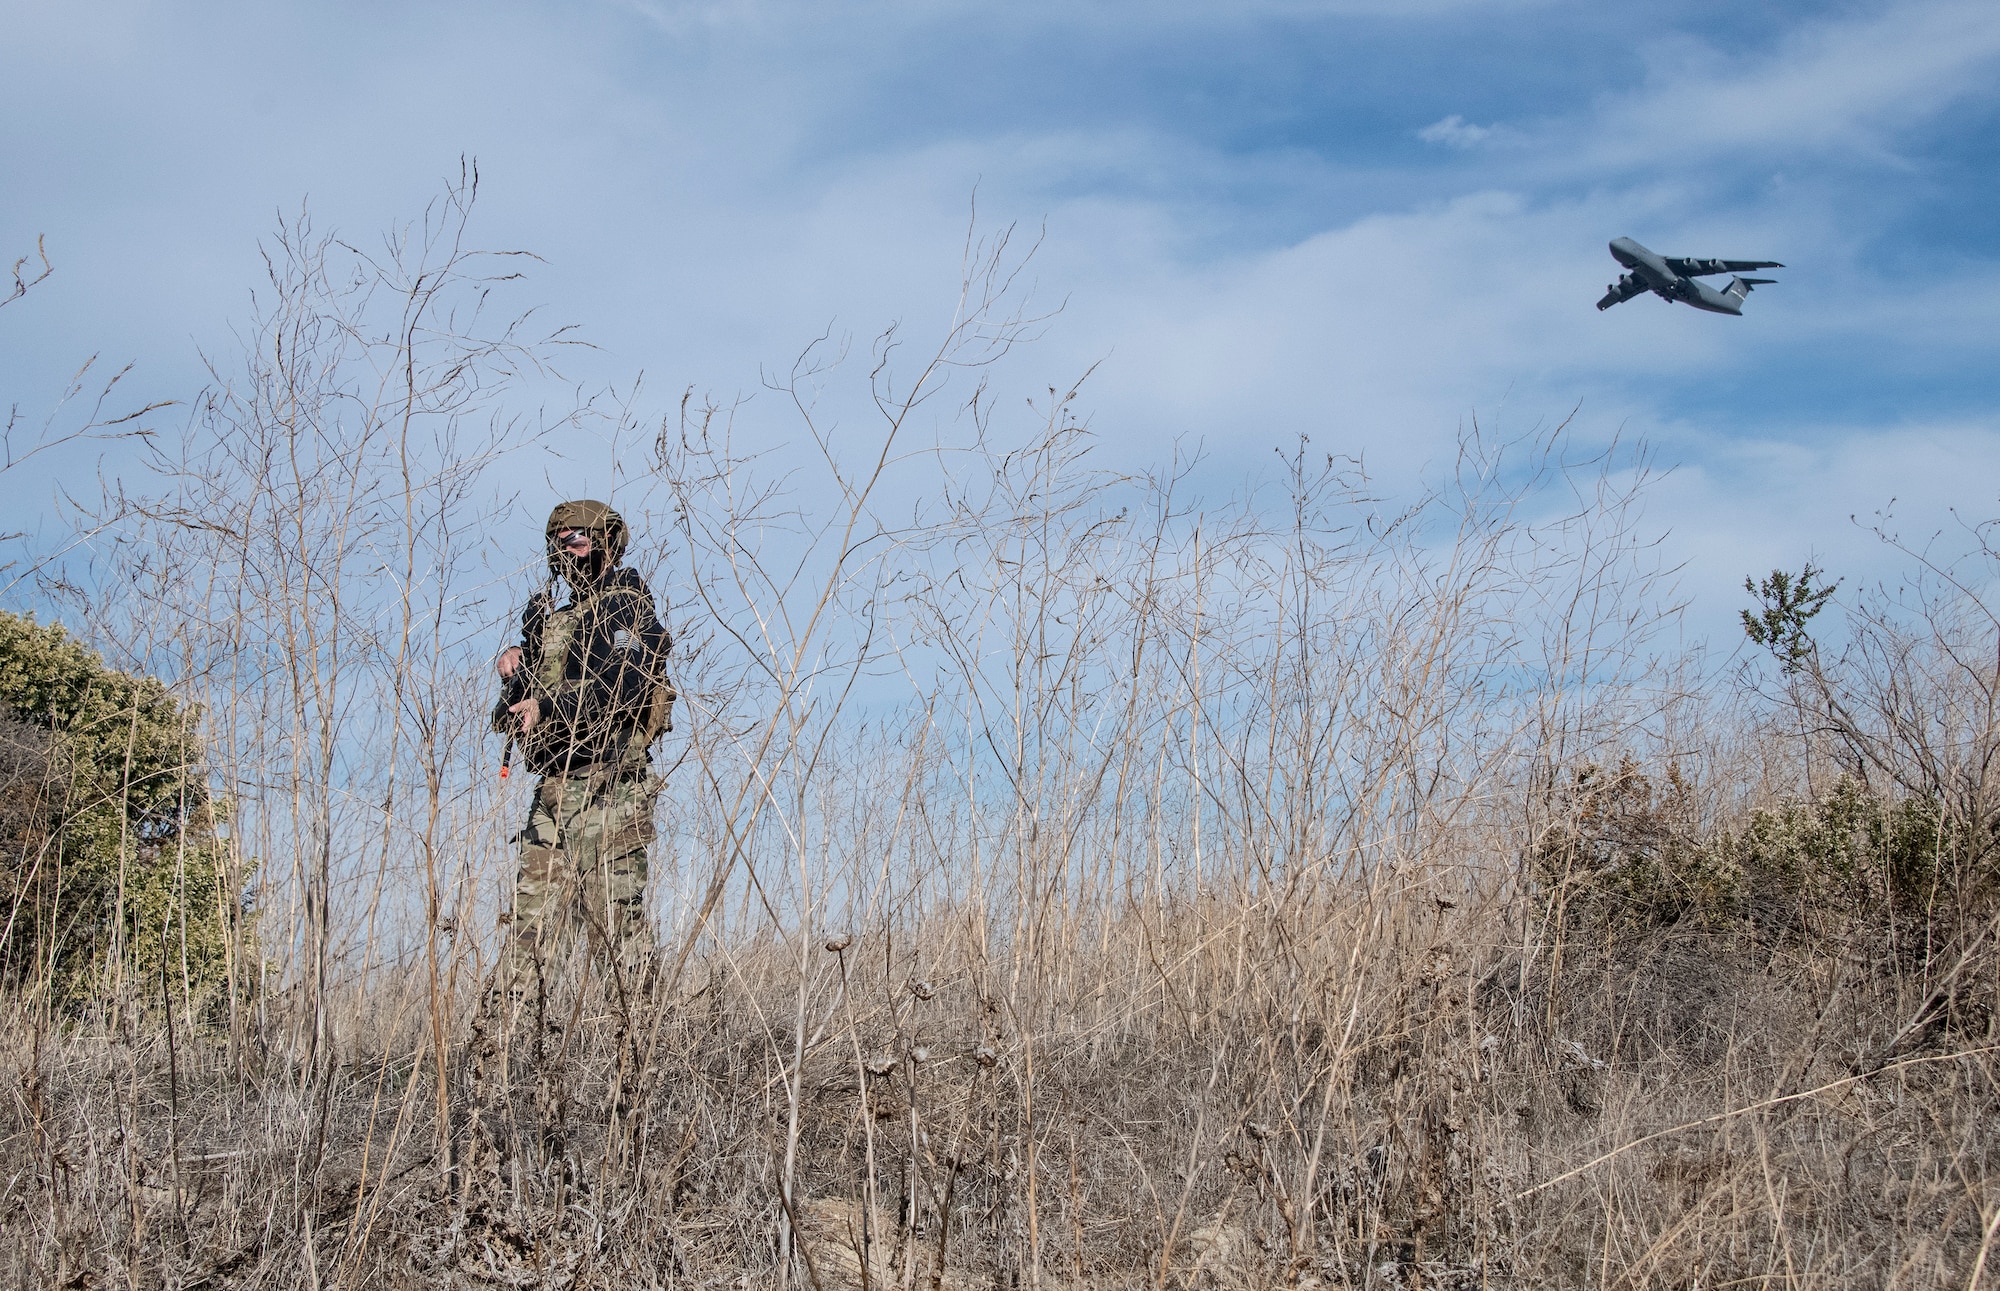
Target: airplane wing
1698, 268
1623, 290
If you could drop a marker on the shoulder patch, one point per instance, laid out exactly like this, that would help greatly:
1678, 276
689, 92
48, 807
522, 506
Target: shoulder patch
624, 640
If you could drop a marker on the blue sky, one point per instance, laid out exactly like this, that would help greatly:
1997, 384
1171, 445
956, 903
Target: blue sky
1364, 221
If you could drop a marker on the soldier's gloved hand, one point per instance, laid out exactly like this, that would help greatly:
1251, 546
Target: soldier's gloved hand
509, 662
529, 711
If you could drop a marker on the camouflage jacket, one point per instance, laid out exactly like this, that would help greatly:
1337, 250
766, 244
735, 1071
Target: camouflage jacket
591, 664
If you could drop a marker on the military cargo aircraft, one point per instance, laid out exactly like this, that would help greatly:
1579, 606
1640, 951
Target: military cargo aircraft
1674, 278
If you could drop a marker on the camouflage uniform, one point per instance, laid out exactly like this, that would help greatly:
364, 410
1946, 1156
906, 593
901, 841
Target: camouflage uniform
583, 851
583, 862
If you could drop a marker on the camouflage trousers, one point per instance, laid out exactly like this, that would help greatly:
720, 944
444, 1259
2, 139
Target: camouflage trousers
583, 869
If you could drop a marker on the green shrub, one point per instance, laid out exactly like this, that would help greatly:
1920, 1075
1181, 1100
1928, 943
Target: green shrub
1853, 852
1629, 850
110, 860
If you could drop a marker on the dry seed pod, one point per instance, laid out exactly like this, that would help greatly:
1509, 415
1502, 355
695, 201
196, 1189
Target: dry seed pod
923, 990
881, 1064
920, 1054
985, 1056
840, 943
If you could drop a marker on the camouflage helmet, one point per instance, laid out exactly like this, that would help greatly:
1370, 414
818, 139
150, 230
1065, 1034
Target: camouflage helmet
605, 527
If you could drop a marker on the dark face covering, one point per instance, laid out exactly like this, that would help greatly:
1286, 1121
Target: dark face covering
579, 571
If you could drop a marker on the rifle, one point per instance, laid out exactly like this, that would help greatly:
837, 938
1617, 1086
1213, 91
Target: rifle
514, 689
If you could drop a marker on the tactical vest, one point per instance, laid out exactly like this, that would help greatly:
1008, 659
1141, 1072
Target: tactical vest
561, 633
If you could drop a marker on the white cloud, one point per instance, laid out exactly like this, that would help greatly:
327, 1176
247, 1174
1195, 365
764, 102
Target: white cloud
1837, 85
662, 171
1454, 132
1747, 507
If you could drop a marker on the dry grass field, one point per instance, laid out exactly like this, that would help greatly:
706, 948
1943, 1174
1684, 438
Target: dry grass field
1348, 1087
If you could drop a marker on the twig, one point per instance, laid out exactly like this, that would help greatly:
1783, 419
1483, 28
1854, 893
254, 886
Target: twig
1719, 1117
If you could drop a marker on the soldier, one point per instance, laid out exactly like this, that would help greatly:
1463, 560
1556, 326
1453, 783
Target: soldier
585, 693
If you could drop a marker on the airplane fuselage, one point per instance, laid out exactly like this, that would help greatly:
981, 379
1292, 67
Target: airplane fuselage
1668, 285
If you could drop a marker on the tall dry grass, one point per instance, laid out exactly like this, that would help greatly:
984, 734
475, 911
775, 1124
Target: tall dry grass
1064, 881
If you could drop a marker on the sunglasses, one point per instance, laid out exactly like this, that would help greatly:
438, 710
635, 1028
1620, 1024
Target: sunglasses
575, 541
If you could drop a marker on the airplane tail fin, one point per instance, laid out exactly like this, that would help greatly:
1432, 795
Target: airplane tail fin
1740, 287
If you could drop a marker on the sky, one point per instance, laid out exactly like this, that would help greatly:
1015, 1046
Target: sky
1371, 222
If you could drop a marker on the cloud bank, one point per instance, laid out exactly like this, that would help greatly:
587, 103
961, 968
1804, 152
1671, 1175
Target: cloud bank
1262, 221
